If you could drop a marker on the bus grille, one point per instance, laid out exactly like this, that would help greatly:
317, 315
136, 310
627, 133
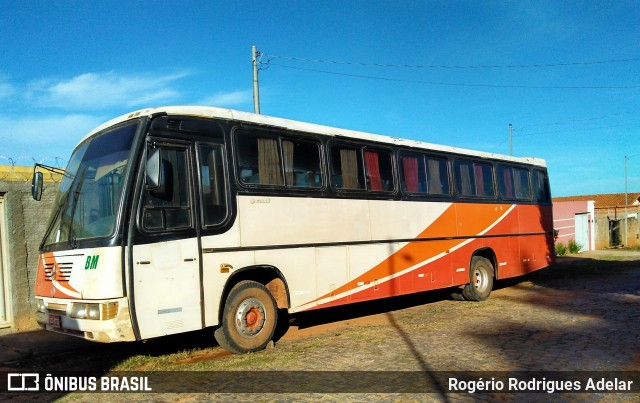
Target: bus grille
61, 271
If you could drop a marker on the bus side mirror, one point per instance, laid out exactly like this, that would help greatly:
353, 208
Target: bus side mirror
36, 186
153, 170
159, 180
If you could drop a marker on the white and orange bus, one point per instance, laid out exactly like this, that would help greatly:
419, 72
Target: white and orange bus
179, 218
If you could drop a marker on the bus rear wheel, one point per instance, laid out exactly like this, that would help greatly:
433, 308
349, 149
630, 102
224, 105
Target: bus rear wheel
480, 280
248, 320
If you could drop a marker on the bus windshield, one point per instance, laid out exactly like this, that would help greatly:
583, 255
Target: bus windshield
89, 194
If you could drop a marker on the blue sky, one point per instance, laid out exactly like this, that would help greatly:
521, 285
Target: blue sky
572, 92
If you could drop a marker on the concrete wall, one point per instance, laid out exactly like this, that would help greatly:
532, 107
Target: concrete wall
25, 221
630, 236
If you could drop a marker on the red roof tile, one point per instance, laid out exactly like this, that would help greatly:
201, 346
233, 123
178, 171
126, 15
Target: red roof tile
604, 200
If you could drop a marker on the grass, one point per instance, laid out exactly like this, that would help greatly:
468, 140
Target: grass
561, 249
571, 248
574, 247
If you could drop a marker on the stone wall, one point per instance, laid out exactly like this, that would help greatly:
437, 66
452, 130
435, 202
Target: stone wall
25, 223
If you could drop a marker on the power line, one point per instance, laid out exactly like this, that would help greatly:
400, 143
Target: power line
578, 130
572, 121
519, 135
431, 66
563, 87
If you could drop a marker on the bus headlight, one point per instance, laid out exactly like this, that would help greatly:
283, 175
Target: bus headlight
40, 305
104, 311
85, 311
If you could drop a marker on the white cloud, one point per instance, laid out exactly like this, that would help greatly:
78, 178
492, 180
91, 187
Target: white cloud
228, 99
93, 91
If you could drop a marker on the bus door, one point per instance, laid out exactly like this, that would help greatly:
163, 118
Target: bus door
166, 259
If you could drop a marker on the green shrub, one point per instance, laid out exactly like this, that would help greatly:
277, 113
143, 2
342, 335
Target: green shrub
574, 247
561, 249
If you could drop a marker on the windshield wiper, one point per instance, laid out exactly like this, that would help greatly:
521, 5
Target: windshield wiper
73, 241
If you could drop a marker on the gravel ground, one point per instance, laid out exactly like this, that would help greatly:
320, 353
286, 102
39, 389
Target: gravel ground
581, 315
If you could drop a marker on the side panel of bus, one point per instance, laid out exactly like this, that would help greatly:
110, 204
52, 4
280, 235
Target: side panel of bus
336, 251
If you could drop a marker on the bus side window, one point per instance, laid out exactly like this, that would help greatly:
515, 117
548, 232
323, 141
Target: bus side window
302, 163
474, 178
212, 185
414, 177
505, 182
465, 181
379, 170
438, 173
513, 183
521, 182
346, 168
542, 186
259, 160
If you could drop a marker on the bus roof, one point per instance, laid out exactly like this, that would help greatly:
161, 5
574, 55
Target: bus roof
239, 116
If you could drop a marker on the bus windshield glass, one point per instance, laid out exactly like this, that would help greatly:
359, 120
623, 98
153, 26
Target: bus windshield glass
89, 195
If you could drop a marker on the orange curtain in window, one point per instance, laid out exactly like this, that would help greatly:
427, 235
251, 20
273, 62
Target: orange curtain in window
287, 151
349, 169
373, 170
410, 170
269, 167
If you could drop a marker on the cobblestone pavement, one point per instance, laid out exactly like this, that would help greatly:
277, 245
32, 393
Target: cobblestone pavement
582, 315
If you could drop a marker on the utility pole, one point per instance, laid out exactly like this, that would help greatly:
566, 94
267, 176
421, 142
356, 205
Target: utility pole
256, 90
626, 203
510, 139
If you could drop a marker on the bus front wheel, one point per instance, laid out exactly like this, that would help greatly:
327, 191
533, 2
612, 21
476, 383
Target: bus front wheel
480, 280
249, 318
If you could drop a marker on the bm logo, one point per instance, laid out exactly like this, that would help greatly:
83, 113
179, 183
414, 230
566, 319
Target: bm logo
92, 262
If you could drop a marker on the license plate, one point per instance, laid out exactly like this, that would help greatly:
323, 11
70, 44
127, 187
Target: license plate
54, 320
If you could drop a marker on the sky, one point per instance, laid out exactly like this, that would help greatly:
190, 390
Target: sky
564, 74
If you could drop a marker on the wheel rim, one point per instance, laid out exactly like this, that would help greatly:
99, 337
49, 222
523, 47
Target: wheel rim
250, 317
481, 280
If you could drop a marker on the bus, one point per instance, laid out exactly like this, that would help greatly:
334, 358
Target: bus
180, 218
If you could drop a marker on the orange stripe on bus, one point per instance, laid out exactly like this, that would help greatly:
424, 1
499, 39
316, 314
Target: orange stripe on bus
46, 288
466, 220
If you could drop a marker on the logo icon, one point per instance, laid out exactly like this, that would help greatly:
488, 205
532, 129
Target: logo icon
23, 382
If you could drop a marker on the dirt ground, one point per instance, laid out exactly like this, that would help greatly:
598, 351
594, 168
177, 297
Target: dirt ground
580, 315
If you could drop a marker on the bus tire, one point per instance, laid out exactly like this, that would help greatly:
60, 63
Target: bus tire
480, 280
249, 318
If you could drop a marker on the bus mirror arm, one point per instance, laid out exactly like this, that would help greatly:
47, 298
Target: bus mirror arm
37, 180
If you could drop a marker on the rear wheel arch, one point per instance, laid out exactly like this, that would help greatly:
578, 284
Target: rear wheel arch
490, 255
269, 276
